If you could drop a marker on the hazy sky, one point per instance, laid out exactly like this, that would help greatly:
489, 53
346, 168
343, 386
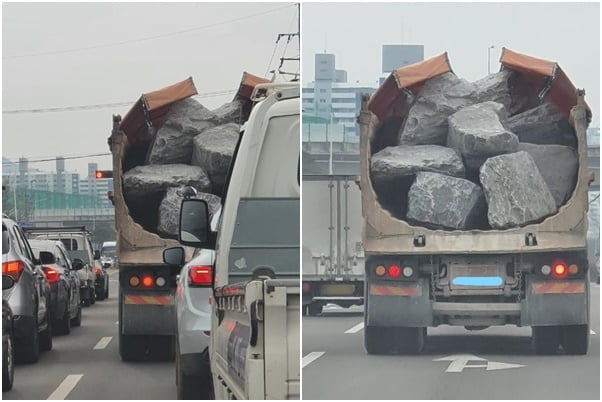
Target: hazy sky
214, 56
568, 33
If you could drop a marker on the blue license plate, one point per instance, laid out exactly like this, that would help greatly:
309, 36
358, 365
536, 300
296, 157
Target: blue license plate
477, 281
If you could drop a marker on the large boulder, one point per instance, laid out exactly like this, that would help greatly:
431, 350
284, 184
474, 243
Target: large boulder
558, 166
230, 112
440, 97
173, 141
544, 124
407, 160
143, 181
169, 209
476, 132
506, 87
440, 201
213, 149
515, 191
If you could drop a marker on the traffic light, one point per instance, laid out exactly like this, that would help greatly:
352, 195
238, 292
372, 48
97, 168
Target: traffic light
104, 174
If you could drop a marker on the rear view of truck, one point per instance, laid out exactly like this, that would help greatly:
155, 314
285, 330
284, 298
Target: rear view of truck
463, 223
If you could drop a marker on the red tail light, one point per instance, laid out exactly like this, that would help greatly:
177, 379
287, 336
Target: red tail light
147, 281
13, 269
559, 270
394, 271
200, 275
51, 274
96, 271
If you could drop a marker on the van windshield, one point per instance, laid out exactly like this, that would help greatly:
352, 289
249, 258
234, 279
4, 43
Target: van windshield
108, 251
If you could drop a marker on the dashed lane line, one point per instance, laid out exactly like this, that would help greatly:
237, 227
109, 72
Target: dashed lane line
103, 343
355, 328
311, 357
66, 387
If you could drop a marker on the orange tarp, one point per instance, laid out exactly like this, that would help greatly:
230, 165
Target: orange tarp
247, 84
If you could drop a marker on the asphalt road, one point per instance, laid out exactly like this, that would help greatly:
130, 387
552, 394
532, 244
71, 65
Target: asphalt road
499, 363
86, 364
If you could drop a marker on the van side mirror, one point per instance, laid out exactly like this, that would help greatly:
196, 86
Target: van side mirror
96, 254
194, 229
174, 256
77, 264
47, 257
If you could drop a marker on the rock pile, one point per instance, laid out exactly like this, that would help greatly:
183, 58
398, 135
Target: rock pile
192, 147
482, 155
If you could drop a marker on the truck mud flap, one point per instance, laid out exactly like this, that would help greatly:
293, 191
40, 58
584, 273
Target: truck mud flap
555, 303
148, 315
398, 304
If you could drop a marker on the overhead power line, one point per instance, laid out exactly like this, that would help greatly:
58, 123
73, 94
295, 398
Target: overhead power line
104, 105
53, 159
148, 38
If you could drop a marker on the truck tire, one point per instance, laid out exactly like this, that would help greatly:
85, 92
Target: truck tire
314, 309
194, 387
575, 339
546, 339
92, 296
77, 320
63, 326
46, 337
394, 340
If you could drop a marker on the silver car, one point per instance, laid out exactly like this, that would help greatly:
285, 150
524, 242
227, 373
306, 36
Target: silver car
64, 283
29, 298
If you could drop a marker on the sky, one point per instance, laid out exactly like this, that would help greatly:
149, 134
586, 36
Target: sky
57, 55
568, 33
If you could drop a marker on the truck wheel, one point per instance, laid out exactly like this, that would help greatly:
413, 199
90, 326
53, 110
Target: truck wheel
92, 296
27, 350
394, 340
546, 339
314, 309
77, 321
46, 337
63, 326
575, 339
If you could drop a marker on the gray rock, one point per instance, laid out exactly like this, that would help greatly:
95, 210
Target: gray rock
213, 149
440, 97
173, 141
406, 160
230, 112
544, 124
440, 201
506, 87
169, 209
148, 180
558, 165
515, 191
476, 131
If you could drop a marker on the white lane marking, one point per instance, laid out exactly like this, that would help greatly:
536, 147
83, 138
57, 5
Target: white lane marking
311, 357
355, 328
592, 332
460, 362
66, 386
103, 343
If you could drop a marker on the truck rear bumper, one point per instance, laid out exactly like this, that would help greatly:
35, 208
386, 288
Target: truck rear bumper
148, 319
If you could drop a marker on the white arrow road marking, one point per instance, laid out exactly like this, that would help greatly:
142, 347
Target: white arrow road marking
592, 332
66, 386
103, 343
460, 362
356, 328
311, 357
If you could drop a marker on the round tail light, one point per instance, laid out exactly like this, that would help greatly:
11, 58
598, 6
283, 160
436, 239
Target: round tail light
394, 271
134, 281
559, 270
160, 281
147, 281
380, 270
546, 270
408, 271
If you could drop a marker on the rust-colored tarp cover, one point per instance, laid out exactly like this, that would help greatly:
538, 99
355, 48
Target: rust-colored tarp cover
247, 84
545, 77
408, 78
154, 106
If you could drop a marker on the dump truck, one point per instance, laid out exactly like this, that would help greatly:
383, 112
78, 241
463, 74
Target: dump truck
333, 257
254, 349
528, 275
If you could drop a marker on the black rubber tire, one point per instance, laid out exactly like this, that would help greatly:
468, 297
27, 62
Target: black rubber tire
394, 340
314, 309
63, 326
107, 292
86, 301
92, 296
546, 339
8, 365
77, 320
194, 387
575, 339
100, 296
46, 338
27, 350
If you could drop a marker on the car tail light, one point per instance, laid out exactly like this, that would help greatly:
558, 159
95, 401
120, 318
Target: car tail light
559, 270
546, 269
394, 271
13, 269
147, 281
200, 275
51, 274
96, 271
573, 269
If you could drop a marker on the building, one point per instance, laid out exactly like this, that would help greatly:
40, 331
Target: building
94, 187
397, 56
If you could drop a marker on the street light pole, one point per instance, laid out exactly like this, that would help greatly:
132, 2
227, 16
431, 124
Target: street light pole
489, 59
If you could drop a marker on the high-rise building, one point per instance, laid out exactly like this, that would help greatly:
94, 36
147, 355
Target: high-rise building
397, 56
